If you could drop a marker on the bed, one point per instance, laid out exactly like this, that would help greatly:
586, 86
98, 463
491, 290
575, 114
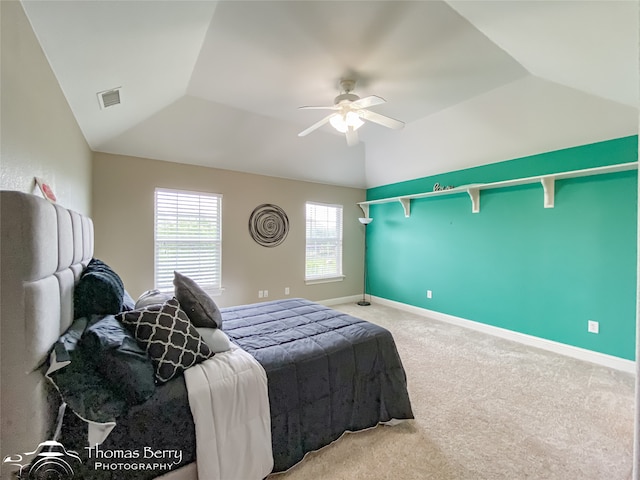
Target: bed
326, 372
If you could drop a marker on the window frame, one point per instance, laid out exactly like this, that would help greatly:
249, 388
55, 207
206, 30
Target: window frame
338, 274
160, 275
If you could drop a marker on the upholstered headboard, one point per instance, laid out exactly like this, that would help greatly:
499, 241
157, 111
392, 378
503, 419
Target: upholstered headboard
43, 250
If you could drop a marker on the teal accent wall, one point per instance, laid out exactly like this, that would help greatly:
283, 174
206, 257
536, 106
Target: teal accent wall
515, 264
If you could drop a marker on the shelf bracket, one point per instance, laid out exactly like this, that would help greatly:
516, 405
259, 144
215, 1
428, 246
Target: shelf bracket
474, 194
406, 204
549, 185
365, 209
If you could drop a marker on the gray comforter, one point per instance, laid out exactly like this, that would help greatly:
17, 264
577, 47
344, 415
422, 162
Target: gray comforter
327, 372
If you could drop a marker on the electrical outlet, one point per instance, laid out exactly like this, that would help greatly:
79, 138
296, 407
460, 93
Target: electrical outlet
266, 293
593, 326
286, 290
429, 294
260, 294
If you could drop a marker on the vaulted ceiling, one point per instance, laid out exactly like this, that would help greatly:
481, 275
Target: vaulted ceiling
219, 83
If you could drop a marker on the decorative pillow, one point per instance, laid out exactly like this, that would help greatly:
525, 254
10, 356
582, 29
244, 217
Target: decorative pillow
152, 297
215, 338
116, 355
99, 291
199, 306
168, 337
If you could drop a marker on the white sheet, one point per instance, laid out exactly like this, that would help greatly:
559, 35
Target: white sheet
230, 405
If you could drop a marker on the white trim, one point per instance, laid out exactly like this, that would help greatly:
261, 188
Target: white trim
315, 281
337, 301
603, 359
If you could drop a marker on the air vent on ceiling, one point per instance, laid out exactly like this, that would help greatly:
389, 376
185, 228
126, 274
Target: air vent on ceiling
109, 98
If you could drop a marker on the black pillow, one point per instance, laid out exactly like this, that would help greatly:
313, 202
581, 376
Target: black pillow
81, 386
99, 291
198, 305
116, 355
168, 337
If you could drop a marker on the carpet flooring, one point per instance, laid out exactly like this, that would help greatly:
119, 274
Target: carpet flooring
486, 408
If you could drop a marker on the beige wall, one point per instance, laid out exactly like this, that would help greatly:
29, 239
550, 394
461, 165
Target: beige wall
123, 197
40, 137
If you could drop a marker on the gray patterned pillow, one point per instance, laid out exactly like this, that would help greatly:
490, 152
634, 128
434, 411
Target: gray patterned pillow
166, 334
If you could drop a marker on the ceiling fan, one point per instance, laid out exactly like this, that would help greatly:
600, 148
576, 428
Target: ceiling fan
350, 111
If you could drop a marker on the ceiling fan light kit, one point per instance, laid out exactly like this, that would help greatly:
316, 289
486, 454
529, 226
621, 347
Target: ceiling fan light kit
343, 121
350, 111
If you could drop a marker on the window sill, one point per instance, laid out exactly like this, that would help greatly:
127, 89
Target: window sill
215, 292
324, 280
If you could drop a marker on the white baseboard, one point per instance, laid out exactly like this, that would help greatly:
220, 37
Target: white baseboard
580, 353
337, 301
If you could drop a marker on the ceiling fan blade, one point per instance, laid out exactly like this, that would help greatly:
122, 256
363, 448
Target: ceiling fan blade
352, 137
333, 107
316, 125
381, 119
367, 102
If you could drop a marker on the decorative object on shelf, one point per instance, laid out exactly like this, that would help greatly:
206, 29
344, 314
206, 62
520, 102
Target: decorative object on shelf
438, 188
365, 221
268, 225
46, 190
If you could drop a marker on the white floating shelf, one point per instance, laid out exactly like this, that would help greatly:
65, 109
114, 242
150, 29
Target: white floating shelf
473, 190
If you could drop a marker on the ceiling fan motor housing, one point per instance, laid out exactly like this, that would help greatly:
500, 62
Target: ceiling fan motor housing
347, 87
345, 97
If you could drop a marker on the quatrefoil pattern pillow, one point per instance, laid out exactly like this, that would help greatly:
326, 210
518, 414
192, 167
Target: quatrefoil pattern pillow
168, 337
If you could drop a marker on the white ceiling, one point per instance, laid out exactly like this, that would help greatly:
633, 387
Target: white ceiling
220, 83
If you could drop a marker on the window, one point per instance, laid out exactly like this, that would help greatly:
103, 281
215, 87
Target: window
188, 238
324, 242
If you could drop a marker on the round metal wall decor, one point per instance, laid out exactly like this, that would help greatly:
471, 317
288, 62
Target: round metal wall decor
268, 225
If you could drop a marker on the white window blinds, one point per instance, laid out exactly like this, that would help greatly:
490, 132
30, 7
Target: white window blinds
324, 242
188, 238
